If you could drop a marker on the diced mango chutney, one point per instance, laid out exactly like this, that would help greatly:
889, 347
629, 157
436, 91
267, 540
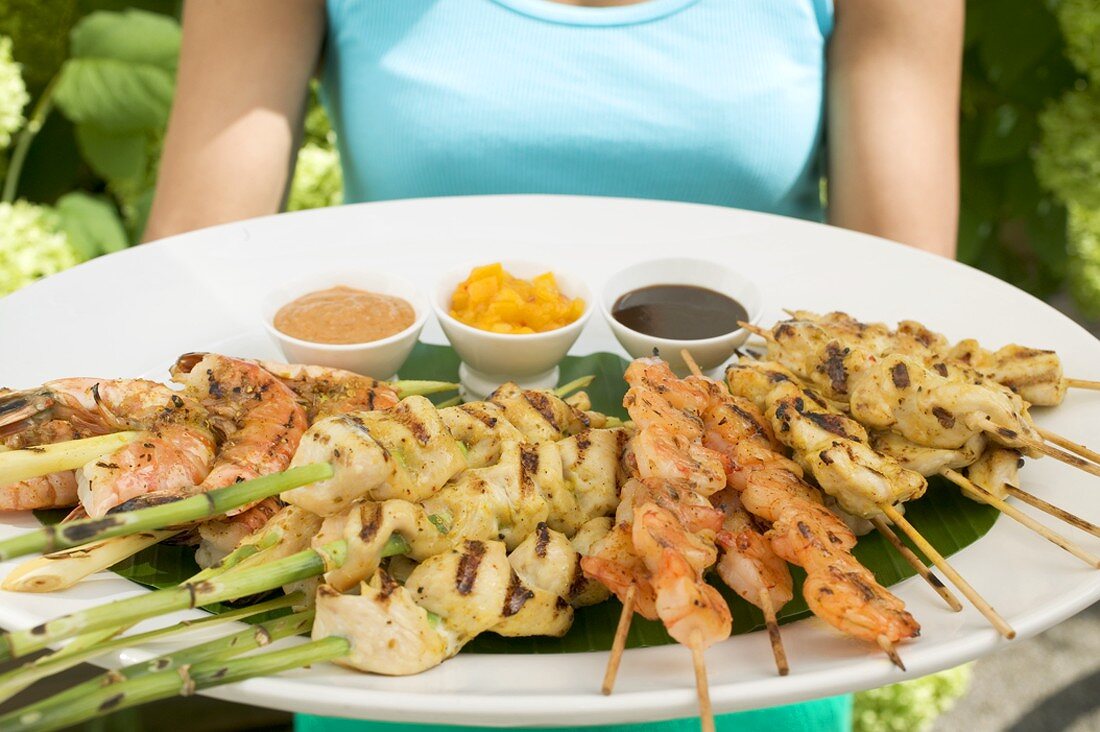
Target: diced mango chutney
491, 299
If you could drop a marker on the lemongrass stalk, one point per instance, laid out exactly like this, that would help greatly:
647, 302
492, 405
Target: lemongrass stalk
452, 402
232, 585
202, 505
411, 387
234, 644
575, 385
23, 676
61, 570
31, 462
246, 556
267, 540
183, 681
89, 640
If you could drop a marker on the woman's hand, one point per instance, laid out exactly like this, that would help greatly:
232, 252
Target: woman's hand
243, 79
893, 97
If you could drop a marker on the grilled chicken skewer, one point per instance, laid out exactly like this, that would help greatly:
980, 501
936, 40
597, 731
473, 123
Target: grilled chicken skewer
413, 429
388, 628
990, 478
1035, 375
931, 406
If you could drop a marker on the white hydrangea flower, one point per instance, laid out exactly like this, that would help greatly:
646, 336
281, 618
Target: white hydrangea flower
31, 245
318, 180
13, 94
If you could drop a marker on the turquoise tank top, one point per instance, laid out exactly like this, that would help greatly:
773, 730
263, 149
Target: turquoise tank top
707, 101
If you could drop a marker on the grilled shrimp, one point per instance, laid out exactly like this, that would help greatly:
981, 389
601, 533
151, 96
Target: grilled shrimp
676, 559
749, 565
178, 452
55, 490
259, 414
612, 562
663, 455
655, 376
221, 536
657, 397
324, 392
838, 589
690, 609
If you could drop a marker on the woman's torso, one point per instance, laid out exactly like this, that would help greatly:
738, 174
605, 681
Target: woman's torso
711, 101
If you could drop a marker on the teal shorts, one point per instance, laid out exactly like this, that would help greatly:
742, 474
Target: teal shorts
833, 714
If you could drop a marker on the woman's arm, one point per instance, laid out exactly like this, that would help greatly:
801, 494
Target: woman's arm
893, 110
243, 78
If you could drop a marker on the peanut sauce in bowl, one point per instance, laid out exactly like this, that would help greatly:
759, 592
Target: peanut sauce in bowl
343, 315
362, 321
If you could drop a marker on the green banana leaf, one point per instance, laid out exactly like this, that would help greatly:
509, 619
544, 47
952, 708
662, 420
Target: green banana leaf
949, 521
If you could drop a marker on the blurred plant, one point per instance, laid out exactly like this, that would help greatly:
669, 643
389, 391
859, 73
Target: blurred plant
13, 94
1068, 159
33, 245
114, 93
910, 706
318, 180
1012, 66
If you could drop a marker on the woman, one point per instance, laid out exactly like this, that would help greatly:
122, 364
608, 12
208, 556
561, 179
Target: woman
728, 102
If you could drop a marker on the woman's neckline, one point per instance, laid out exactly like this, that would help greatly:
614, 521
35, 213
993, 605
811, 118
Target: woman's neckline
554, 12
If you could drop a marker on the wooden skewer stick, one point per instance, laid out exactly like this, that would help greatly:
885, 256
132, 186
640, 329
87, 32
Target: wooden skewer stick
1050, 508
757, 330
941, 564
1045, 449
892, 653
706, 712
1073, 447
1083, 384
1063, 456
772, 623
914, 561
619, 644
1016, 514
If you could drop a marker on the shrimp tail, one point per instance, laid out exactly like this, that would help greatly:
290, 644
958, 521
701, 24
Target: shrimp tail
21, 409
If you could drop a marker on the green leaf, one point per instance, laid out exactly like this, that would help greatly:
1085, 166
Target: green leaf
134, 36
1016, 34
946, 519
117, 158
92, 225
115, 96
136, 214
1006, 133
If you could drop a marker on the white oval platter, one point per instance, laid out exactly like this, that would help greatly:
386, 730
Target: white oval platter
132, 313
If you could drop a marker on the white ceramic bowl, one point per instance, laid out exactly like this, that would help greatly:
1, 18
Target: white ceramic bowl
709, 353
489, 359
380, 359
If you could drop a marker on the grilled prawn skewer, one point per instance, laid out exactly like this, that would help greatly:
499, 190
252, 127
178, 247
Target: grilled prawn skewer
664, 537
838, 589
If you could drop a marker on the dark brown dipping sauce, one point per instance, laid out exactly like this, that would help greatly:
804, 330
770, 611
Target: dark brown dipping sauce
679, 312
